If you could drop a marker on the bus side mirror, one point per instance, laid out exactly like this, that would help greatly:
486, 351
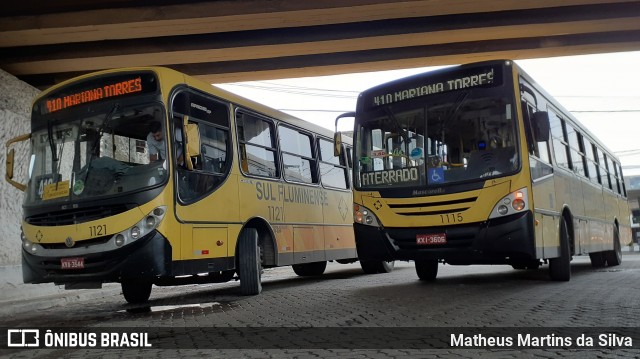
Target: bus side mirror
541, 126
337, 137
337, 144
10, 161
10, 158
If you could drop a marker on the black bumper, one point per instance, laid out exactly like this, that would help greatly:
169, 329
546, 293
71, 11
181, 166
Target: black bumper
496, 241
147, 258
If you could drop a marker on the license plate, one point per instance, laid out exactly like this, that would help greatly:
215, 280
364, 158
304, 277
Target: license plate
72, 263
432, 238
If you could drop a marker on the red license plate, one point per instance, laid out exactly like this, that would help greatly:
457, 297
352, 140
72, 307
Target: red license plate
433, 238
72, 263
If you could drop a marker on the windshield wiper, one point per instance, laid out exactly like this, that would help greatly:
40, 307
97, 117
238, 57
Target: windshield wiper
456, 105
398, 127
52, 144
106, 121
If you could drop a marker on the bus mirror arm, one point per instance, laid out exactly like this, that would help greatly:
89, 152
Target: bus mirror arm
337, 136
541, 126
10, 160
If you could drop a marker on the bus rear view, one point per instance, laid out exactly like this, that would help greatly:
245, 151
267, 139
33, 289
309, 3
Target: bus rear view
443, 173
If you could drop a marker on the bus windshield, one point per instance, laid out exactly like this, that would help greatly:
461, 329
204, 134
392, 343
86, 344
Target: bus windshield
436, 140
95, 154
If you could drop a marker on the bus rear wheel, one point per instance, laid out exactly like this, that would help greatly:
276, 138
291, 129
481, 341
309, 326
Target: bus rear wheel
249, 262
136, 291
560, 267
614, 257
427, 269
309, 269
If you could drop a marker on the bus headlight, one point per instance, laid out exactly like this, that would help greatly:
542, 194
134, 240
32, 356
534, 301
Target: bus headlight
135, 232
119, 240
149, 223
514, 202
518, 204
502, 209
27, 244
364, 216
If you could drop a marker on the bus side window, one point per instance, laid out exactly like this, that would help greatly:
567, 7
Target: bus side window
258, 153
560, 145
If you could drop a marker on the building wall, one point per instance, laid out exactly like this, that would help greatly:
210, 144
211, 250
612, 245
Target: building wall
15, 108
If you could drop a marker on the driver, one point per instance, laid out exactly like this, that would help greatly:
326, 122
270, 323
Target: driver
155, 142
156, 145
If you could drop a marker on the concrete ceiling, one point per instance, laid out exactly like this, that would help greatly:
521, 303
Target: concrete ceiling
45, 42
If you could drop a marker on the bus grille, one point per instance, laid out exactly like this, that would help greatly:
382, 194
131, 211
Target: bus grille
85, 243
77, 215
433, 208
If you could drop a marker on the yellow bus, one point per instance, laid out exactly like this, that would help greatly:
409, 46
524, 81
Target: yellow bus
146, 176
476, 164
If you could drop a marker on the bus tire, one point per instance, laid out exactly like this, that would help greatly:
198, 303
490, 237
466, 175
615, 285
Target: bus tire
614, 257
427, 269
375, 267
560, 267
249, 262
597, 259
369, 267
136, 291
386, 267
309, 269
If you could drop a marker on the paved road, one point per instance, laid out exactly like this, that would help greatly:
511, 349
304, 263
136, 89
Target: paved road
367, 315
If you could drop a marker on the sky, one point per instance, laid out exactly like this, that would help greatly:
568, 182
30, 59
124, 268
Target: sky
602, 91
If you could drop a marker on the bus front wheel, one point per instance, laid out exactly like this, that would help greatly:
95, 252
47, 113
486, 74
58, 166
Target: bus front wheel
136, 291
427, 269
560, 267
249, 262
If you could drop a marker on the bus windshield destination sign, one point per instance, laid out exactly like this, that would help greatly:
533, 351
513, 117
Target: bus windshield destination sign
98, 93
480, 78
386, 177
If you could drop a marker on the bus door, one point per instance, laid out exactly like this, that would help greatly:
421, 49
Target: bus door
578, 194
206, 203
543, 184
303, 196
336, 202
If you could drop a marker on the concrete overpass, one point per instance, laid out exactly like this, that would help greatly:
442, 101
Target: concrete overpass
44, 42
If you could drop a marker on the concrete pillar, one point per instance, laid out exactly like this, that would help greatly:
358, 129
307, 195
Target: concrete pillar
16, 98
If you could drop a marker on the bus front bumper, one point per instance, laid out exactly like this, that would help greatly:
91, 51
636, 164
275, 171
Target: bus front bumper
495, 241
145, 259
